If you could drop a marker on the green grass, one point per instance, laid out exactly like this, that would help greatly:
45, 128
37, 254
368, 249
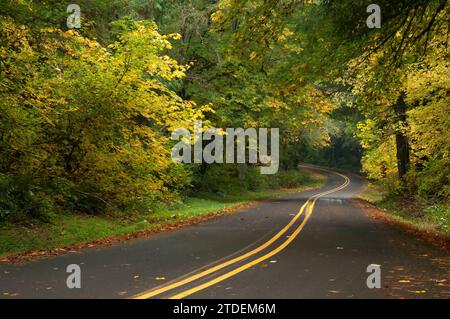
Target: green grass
69, 229
416, 212
372, 193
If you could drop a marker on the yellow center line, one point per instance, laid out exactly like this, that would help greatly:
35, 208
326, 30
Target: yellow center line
240, 258
222, 265
266, 256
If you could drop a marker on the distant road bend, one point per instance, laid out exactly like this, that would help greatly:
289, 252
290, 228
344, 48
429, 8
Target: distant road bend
313, 244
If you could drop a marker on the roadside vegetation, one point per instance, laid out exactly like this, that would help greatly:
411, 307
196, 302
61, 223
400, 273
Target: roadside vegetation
423, 215
71, 230
86, 114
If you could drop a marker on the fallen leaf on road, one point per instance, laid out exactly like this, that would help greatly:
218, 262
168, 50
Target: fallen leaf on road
334, 291
418, 291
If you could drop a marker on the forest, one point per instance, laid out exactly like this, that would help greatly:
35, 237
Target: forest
86, 113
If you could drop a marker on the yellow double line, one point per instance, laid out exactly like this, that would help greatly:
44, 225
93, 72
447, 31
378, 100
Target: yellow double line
246, 255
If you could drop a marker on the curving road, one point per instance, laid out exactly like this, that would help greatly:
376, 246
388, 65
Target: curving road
314, 244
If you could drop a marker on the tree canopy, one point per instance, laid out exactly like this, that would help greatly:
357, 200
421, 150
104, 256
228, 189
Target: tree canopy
86, 114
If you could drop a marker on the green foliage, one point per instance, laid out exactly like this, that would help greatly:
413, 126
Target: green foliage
69, 229
291, 179
434, 180
86, 115
21, 199
440, 215
399, 75
94, 116
234, 179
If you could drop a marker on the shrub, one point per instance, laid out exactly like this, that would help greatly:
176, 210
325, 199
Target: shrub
22, 198
291, 178
434, 180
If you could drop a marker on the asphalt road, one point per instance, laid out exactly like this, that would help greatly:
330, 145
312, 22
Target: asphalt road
314, 244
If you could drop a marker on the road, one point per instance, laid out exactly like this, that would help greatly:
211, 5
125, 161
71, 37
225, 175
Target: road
314, 244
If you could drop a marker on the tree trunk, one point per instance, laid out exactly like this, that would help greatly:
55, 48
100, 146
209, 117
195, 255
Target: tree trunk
402, 154
401, 139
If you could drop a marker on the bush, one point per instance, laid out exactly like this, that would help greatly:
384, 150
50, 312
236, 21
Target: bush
22, 198
220, 179
291, 178
434, 180
231, 179
88, 136
255, 180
